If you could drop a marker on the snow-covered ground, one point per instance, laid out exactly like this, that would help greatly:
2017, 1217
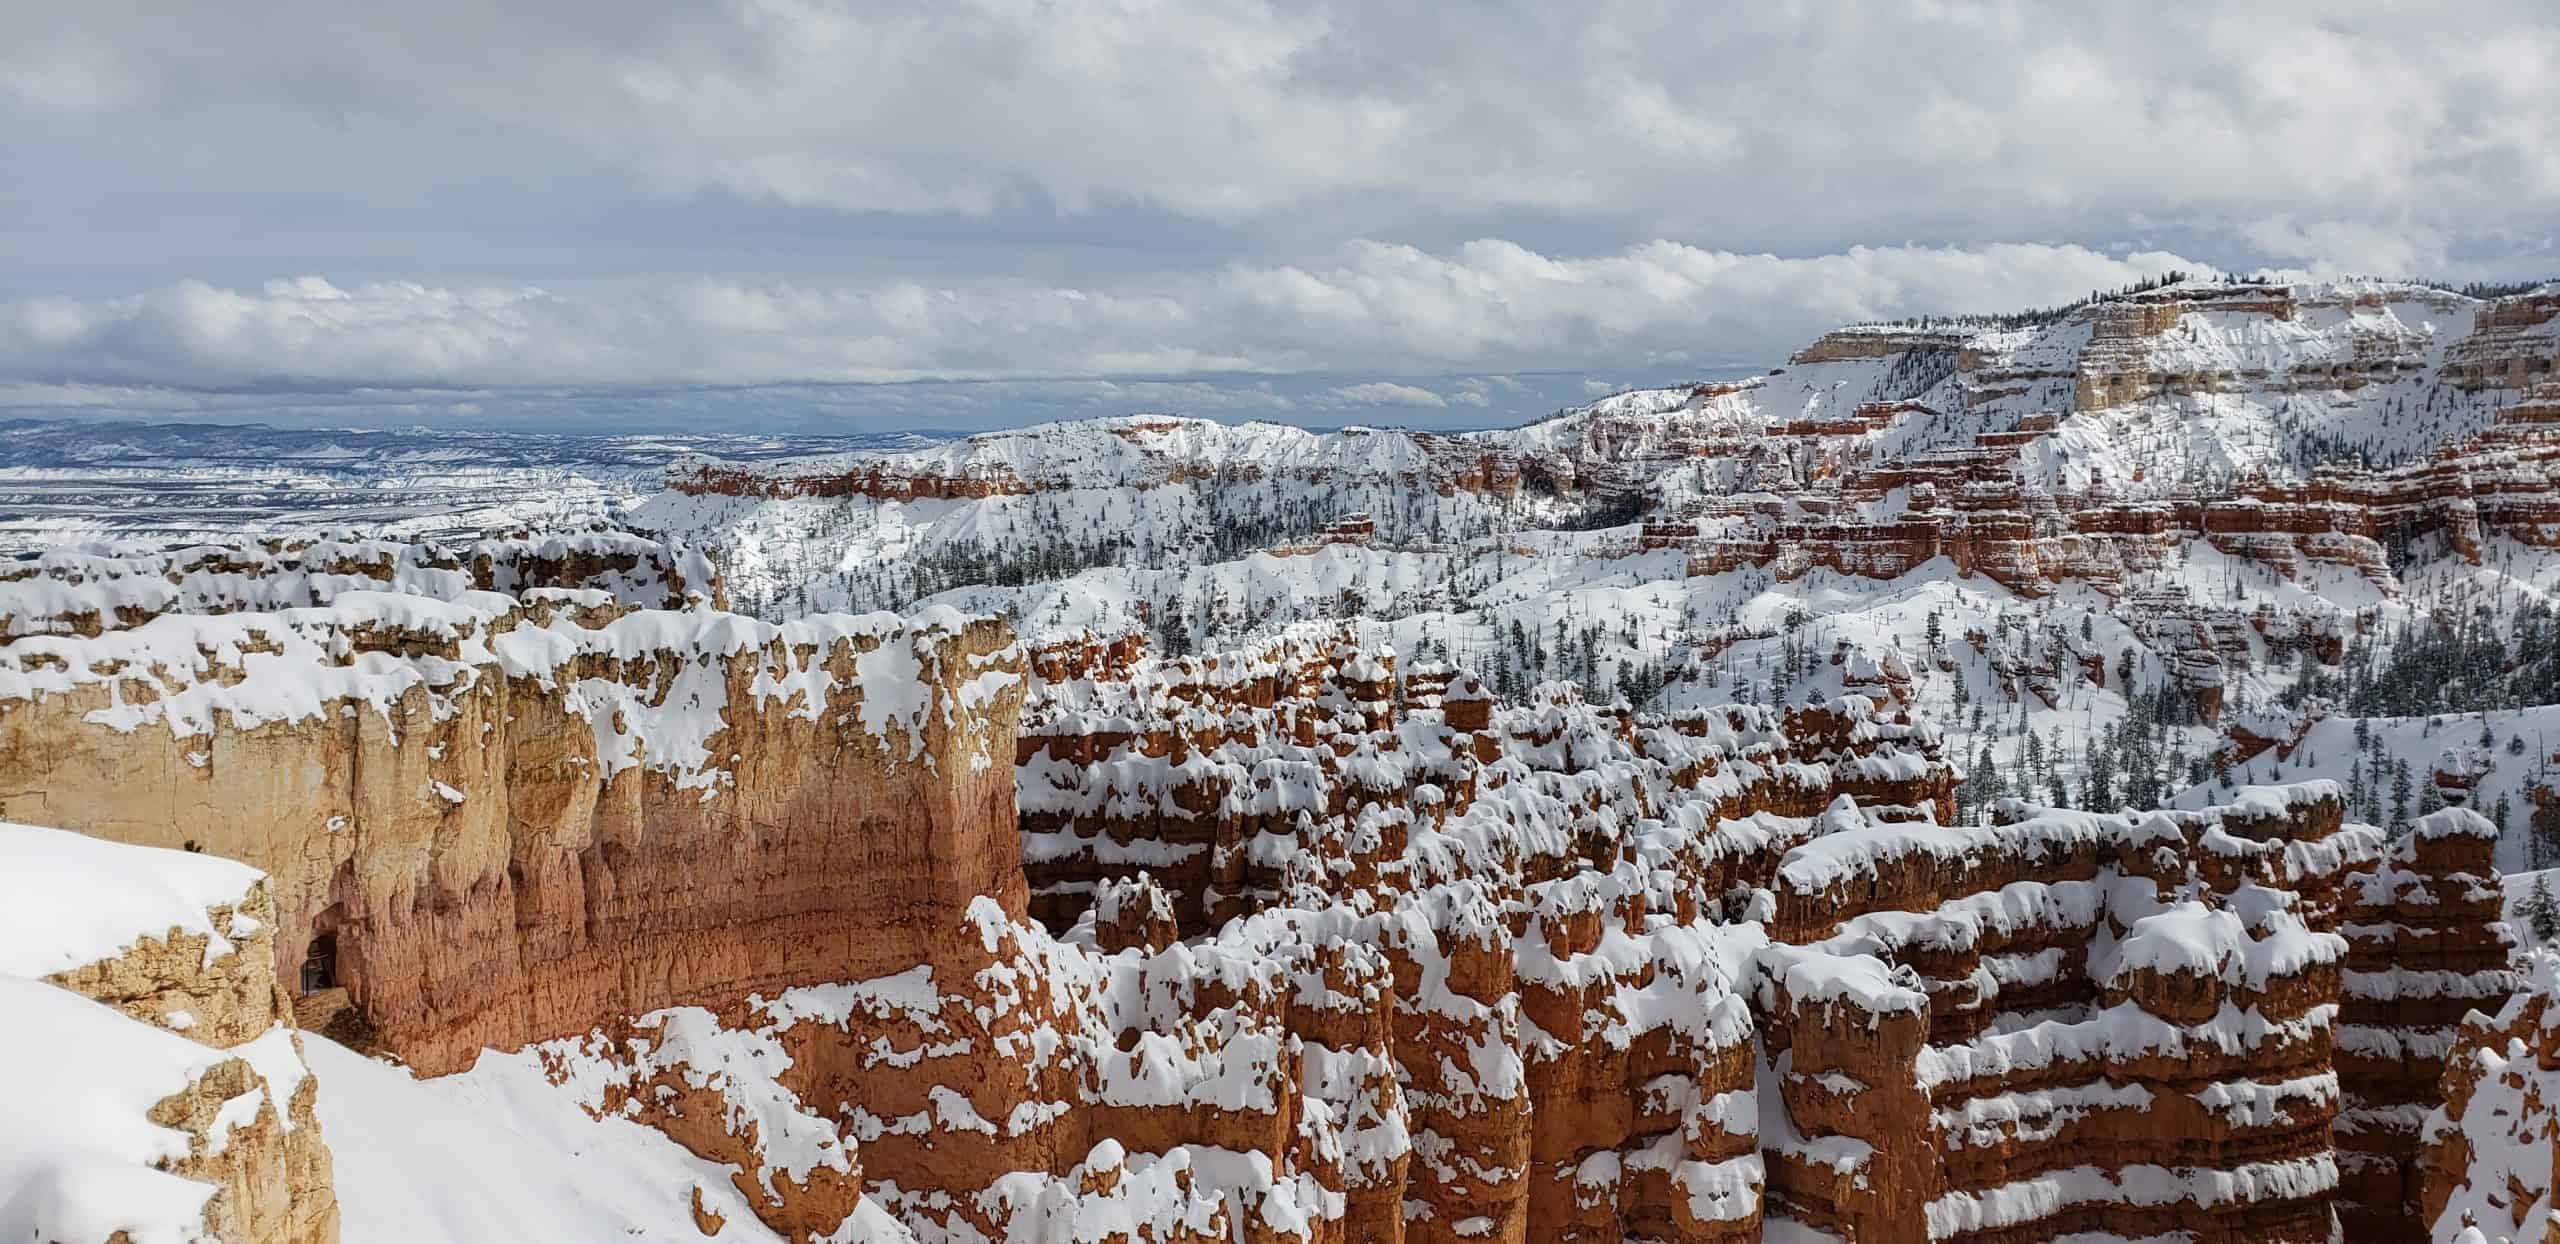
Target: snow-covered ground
81, 1155
66, 480
500, 1153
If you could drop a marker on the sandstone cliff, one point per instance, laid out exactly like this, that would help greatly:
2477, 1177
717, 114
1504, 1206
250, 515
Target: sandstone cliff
492, 821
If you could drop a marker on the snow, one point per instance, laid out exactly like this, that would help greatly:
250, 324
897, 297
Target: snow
67, 899
1821, 977
498, 1152
2046, 1195
2216, 943
2506, 1192
80, 1157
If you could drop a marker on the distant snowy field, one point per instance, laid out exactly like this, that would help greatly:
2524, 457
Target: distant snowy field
66, 481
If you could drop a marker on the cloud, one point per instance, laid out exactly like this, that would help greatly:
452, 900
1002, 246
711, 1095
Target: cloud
1371, 306
1979, 120
1596, 387
2345, 247
1389, 393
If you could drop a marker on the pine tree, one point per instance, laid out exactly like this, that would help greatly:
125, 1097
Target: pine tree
1985, 781
2541, 913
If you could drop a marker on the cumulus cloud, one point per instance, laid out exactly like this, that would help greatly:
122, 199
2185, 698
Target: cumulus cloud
1389, 393
1373, 307
1763, 123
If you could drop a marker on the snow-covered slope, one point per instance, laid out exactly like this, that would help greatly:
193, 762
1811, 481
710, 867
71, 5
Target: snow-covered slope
499, 1152
85, 480
2153, 498
155, 1088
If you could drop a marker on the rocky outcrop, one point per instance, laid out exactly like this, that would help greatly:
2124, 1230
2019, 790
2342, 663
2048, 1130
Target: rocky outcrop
89, 590
2135, 351
2514, 341
2424, 949
492, 823
1873, 341
159, 1089
2072, 1022
2490, 1158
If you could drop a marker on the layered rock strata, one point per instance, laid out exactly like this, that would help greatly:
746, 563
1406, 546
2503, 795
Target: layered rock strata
1220, 774
2424, 950
2066, 1023
493, 821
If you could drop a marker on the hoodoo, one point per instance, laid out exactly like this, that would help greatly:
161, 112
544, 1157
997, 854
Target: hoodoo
1847, 803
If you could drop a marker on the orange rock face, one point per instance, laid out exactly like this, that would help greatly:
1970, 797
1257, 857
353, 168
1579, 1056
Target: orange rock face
2425, 949
490, 830
2075, 1022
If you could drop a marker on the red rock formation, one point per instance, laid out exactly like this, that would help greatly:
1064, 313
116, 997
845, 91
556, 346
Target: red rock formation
2424, 949
509, 831
1335, 949
2488, 1160
2001, 1033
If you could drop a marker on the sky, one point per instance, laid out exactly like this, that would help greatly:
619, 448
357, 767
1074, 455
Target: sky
807, 215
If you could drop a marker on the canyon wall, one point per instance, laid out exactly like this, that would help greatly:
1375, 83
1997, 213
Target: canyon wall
492, 819
1296, 941
2135, 1025
2065, 1023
